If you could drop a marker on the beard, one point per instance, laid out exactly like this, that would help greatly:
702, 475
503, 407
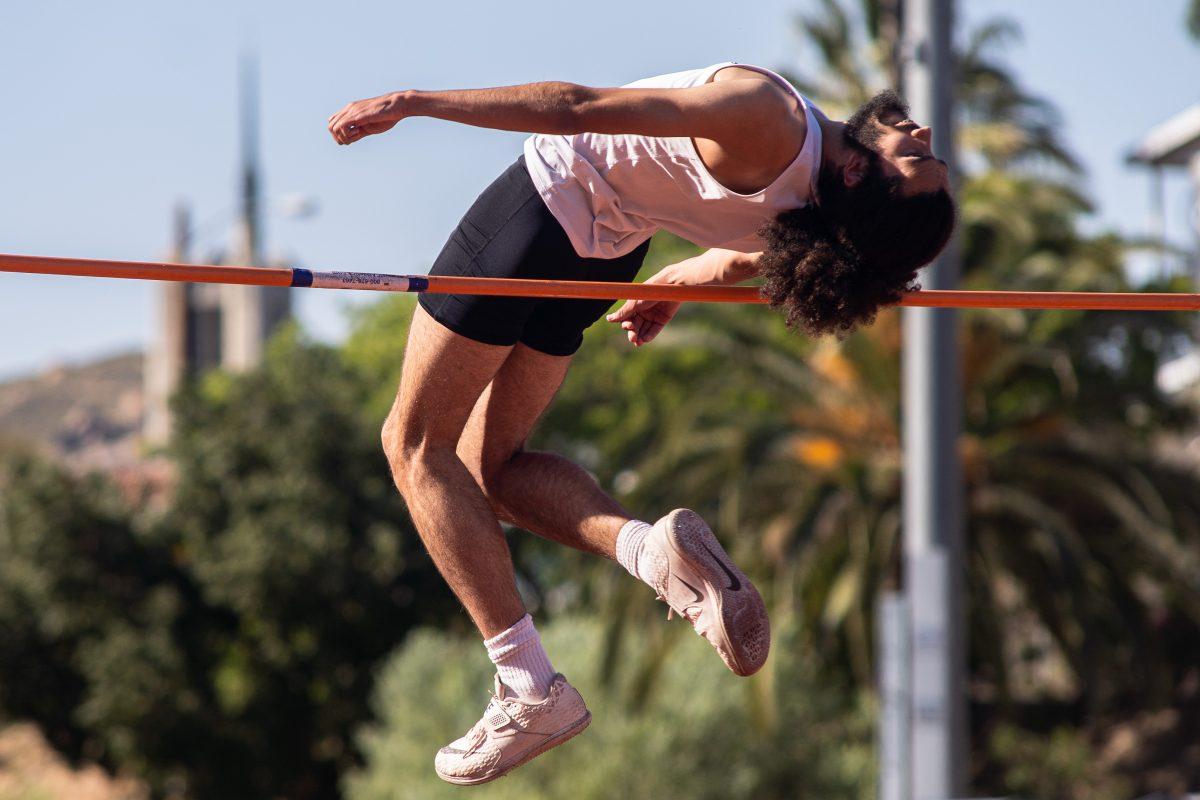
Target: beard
861, 132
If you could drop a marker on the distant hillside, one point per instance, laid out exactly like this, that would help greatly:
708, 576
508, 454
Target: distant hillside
88, 415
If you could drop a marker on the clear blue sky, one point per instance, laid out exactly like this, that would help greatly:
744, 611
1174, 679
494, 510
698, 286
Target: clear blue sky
112, 111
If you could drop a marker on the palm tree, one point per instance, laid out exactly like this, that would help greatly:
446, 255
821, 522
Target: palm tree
1019, 209
999, 122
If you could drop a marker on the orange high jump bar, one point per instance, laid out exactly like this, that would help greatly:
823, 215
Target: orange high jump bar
435, 284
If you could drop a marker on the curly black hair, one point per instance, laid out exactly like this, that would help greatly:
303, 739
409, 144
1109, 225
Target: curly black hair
831, 266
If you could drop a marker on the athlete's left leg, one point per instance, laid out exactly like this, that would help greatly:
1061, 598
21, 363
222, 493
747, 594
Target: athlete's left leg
549, 495
541, 492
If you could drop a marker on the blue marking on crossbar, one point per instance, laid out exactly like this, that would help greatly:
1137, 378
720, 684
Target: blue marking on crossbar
416, 283
301, 278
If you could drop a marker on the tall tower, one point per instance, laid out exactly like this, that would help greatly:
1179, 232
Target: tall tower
250, 314
203, 326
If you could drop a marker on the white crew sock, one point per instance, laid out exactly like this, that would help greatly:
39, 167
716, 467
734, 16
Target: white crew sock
630, 541
521, 661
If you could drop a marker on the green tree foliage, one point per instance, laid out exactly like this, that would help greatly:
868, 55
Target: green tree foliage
1062, 765
303, 555
226, 647
74, 573
702, 735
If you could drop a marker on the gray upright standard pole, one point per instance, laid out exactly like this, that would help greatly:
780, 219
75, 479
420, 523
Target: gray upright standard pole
932, 478
895, 683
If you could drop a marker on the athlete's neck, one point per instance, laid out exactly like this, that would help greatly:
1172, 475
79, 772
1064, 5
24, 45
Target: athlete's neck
833, 148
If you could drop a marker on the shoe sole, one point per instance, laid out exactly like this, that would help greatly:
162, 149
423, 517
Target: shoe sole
566, 734
742, 610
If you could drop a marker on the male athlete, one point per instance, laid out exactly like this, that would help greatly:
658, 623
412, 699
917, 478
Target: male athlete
836, 216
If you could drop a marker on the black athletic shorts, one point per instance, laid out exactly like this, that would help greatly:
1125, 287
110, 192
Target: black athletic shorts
509, 233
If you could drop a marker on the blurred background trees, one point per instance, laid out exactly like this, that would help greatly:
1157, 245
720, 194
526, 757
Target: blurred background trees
695, 737
227, 645
223, 647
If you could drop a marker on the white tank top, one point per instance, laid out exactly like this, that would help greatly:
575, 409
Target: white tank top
611, 192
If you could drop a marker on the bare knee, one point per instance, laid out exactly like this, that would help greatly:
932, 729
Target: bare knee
410, 453
393, 443
492, 478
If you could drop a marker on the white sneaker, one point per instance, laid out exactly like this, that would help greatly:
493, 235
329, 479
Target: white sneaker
512, 732
694, 575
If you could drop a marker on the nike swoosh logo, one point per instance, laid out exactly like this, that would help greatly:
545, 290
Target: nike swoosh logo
734, 583
695, 591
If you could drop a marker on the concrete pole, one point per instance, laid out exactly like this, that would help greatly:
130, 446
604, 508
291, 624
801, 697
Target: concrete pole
932, 411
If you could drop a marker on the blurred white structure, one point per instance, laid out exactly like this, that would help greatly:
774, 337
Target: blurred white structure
1175, 144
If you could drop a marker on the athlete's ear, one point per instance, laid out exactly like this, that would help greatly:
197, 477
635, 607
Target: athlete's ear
855, 169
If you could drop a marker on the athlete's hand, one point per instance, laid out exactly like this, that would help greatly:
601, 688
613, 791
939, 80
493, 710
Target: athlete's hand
365, 117
643, 319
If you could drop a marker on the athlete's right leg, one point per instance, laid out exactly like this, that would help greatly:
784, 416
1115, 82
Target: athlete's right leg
442, 377
456, 345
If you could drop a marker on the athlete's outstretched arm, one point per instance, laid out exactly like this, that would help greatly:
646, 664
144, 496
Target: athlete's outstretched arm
724, 111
